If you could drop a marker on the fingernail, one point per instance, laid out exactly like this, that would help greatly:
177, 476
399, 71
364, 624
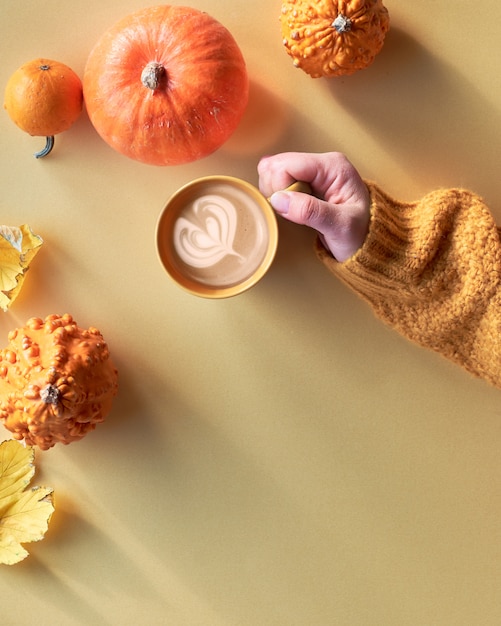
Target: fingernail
280, 202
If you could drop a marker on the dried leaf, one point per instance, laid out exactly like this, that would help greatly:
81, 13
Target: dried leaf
24, 512
18, 246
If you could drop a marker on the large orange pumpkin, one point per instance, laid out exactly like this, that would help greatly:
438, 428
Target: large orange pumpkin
166, 85
333, 37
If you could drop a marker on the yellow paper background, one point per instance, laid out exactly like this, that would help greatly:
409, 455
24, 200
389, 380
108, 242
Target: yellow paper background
281, 458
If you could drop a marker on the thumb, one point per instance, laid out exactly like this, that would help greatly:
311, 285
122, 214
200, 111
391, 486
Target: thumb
305, 209
342, 229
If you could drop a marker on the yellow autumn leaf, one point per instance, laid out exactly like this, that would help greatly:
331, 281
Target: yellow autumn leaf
18, 246
24, 512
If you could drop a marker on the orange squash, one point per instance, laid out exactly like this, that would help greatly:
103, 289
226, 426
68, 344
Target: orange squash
44, 98
333, 37
57, 381
166, 85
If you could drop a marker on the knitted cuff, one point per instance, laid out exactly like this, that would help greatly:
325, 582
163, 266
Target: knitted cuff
413, 244
388, 253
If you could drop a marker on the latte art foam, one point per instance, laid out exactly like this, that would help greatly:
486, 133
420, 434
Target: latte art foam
220, 237
207, 235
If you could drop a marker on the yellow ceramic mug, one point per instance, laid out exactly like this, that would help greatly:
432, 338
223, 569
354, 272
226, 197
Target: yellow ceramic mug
217, 236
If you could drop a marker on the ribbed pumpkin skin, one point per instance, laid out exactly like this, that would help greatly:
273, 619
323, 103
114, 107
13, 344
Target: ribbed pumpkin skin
43, 97
198, 103
57, 381
327, 38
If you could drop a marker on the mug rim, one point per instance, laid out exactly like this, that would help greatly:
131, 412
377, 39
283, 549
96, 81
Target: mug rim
164, 228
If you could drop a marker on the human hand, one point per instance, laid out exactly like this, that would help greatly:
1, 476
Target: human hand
339, 210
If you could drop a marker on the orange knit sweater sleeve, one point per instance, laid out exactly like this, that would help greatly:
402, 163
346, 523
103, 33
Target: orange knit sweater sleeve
431, 269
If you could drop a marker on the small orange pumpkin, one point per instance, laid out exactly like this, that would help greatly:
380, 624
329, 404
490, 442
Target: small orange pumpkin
57, 381
333, 37
44, 98
166, 85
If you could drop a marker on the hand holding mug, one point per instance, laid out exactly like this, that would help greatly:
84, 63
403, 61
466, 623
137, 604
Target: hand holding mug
339, 210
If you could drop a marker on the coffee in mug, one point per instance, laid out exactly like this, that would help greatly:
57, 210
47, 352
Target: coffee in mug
217, 236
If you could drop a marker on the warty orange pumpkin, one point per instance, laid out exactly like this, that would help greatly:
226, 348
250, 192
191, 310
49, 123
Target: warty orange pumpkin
57, 381
44, 98
333, 37
166, 85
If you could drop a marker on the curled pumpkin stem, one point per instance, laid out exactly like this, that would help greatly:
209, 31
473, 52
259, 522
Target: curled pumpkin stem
49, 144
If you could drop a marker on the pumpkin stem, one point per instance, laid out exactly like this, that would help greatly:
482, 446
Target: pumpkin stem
153, 74
49, 144
342, 23
50, 394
